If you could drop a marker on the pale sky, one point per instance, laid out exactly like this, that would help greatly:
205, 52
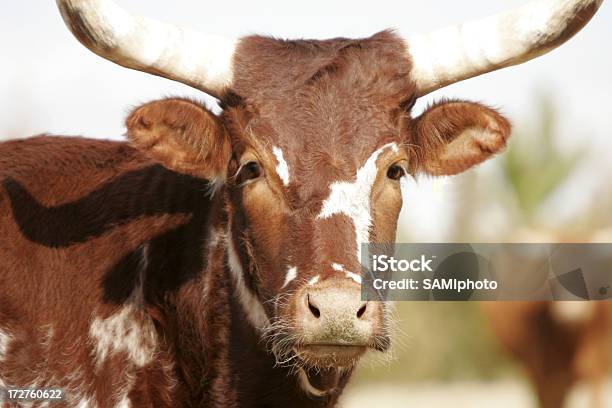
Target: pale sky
50, 83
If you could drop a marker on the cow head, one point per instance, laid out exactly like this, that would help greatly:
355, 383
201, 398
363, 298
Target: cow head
311, 146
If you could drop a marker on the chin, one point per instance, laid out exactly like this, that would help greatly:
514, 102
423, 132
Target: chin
326, 356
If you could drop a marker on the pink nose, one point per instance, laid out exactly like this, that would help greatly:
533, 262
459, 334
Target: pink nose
333, 303
332, 312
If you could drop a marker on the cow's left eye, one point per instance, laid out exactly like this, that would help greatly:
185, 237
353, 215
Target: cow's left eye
395, 172
249, 171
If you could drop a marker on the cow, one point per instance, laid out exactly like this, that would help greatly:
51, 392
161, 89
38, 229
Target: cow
558, 343
213, 260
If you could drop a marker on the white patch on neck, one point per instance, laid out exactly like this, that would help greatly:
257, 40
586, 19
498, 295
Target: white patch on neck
291, 275
250, 304
130, 330
5, 338
124, 402
307, 386
86, 403
353, 199
313, 280
282, 168
214, 237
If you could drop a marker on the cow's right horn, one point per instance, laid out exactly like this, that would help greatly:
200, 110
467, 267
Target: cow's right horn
455, 53
199, 60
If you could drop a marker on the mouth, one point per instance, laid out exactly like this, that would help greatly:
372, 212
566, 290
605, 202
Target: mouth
326, 355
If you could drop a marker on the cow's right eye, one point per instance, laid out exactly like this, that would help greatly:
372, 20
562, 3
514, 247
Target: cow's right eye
249, 171
395, 172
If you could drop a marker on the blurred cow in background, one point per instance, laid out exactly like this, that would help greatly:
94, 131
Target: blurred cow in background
560, 343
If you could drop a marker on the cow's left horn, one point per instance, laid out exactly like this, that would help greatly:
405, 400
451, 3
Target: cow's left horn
199, 60
455, 53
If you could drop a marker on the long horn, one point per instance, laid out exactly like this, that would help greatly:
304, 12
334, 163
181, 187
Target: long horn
198, 60
452, 54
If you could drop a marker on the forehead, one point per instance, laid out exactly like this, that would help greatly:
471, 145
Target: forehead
325, 104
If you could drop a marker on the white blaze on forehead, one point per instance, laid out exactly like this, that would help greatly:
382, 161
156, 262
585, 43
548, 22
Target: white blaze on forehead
282, 169
291, 275
250, 303
353, 198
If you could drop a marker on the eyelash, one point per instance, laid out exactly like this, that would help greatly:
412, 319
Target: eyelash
249, 171
395, 172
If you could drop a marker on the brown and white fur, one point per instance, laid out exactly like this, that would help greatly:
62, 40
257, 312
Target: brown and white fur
214, 260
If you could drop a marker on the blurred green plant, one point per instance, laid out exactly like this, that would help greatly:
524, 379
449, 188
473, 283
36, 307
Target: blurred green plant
533, 166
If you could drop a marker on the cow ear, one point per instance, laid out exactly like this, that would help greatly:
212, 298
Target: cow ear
453, 136
181, 135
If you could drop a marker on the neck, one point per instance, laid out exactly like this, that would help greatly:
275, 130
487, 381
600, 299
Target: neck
220, 357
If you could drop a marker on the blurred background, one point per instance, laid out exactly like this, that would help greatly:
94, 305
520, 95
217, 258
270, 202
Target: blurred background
553, 183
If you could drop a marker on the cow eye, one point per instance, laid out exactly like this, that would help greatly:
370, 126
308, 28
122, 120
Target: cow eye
249, 171
395, 172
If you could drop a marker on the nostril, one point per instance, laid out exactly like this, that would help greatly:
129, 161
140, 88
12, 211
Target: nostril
361, 310
313, 309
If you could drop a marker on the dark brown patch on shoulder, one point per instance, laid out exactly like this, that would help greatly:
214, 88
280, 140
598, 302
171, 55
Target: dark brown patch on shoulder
139, 193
